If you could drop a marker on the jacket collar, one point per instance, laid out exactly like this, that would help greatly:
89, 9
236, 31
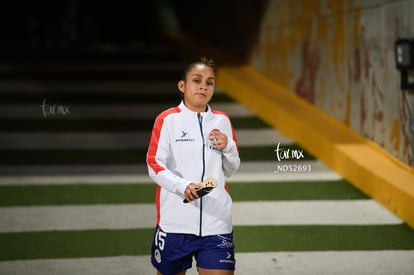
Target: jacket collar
205, 115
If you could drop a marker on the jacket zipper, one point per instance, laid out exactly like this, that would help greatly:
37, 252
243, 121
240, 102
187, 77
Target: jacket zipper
200, 122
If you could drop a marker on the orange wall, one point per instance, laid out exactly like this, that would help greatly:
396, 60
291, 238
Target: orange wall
339, 56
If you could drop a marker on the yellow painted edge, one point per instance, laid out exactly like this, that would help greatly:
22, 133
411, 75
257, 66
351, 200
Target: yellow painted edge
364, 164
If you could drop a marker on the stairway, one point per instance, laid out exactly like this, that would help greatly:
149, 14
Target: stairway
82, 112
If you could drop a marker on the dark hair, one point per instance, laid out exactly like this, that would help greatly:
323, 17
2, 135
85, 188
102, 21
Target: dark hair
209, 62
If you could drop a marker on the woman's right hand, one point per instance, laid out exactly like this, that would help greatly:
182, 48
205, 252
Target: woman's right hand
190, 193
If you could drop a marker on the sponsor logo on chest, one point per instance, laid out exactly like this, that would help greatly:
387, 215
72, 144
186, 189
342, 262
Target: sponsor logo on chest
184, 137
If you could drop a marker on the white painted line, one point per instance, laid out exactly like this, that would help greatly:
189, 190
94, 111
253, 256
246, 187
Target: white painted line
254, 171
76, 141
113, 111
39, 218
83, 111
344, 212
123, 265
255, 137
87, 67
75, 179
384, 262
116, 140
98, 87
70, 170
109, 174
271, 177
232, 109
326, 263
44, 218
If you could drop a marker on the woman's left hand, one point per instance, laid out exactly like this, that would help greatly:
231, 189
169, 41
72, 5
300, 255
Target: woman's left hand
218, 139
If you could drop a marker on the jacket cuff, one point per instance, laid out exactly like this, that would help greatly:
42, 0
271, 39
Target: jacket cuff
182, 186
231, 145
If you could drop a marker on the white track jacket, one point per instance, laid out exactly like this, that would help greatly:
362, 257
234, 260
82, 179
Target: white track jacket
179, 153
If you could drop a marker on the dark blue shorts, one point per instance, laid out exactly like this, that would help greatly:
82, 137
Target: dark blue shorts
172, 253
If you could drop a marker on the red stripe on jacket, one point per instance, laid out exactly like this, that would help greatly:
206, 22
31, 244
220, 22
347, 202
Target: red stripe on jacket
155, 137
152, 152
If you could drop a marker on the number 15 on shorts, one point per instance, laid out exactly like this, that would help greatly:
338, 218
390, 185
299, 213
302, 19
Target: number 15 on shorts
159, 240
